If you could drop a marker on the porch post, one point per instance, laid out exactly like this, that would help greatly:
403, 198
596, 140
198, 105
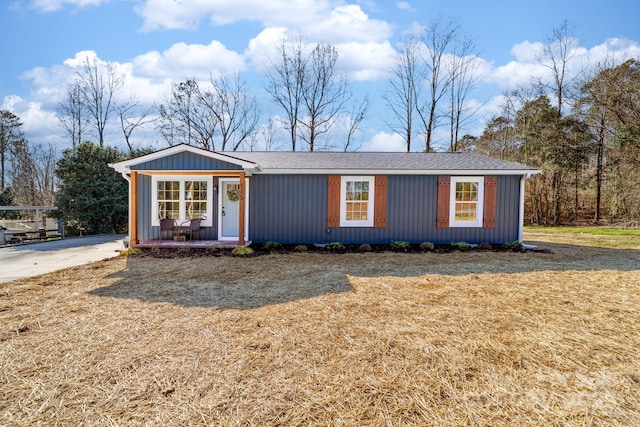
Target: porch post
133, 210
241, 241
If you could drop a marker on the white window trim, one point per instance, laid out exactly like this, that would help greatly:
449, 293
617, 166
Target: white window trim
155, 220
343, 201
452, 202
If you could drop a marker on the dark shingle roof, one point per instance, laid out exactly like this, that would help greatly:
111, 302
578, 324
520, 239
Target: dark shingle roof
323, 162
274, 160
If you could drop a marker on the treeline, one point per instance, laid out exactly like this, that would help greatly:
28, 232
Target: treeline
589, 158
26, 169
91, 197
580, 128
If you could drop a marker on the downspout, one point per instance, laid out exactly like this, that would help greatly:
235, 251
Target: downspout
523, 178
521, 210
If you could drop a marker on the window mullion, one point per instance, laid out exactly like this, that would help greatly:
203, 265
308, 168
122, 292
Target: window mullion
183, 203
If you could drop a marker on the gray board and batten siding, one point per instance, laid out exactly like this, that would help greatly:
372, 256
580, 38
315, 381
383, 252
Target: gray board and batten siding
185, 161
293, 209
288, 194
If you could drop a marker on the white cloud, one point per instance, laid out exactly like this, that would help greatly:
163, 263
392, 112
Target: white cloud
148, 78
326, 20
530, 63
53, 5
405, 5
264, 46
9, 103
81, 58
39, 124
363, 43
348, 23
37, 120
527, 52
614, 51
170, 14
383, 141
515, 74
188, 60
366, 61
360, 60
48, 84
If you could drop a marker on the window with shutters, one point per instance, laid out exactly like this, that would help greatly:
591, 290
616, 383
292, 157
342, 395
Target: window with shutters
356, 201
466, 201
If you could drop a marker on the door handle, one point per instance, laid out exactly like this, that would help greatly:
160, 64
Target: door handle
223, 214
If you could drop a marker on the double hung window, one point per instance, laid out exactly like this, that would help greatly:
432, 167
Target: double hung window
182, 198
356, 201
466, 201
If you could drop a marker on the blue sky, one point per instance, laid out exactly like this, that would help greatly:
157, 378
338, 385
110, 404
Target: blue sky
157, 42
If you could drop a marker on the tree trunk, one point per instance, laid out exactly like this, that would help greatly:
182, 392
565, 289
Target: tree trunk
599, 167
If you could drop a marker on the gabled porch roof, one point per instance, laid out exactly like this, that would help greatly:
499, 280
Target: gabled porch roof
126, 166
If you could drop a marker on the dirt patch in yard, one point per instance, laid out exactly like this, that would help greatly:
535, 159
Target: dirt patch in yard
476, 338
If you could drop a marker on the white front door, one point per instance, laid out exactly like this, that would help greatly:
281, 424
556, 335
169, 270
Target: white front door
229, 212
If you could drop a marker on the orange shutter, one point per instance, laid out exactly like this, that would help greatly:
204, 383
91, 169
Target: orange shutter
380, 206
442, 220
333, 201
490, 193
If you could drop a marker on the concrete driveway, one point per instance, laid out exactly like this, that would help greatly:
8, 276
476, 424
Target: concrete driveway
19, 261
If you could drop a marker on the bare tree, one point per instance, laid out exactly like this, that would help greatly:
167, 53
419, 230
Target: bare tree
235, 110
429, 66
44, 159
183, 120
358, 114
463, 78
405, 87
11, 136
196, 114
71, 113
324, 94
99, 85
310, 89
132, 115
27, 170
557, 54
264, 137
438, 39
32, 173
286, 83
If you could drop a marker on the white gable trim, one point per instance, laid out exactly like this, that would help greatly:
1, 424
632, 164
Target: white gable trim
125, 165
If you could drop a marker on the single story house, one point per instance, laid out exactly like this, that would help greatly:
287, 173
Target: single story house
321, 197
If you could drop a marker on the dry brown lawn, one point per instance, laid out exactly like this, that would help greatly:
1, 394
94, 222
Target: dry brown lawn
376, 339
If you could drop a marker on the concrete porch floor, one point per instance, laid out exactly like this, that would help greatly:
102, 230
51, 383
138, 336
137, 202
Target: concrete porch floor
217, 244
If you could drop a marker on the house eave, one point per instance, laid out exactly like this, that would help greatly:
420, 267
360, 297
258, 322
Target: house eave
258, 171
182, 172
527, 173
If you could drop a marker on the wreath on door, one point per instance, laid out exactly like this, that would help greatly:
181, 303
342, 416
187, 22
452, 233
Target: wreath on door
233, 194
